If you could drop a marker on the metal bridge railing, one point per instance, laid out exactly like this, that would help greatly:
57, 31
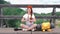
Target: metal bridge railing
52, 17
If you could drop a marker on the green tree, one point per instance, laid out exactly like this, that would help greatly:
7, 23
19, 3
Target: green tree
58, 13
8, 11
4, 2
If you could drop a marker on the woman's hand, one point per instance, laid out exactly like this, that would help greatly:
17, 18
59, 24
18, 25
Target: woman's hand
31, 20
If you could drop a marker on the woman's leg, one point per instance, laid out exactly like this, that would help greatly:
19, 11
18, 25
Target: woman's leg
32, 27
24, 26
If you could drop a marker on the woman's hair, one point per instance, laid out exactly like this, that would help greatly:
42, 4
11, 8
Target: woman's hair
31, 9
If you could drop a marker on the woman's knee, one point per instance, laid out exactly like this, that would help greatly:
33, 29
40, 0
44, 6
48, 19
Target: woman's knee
35, 24
21, 25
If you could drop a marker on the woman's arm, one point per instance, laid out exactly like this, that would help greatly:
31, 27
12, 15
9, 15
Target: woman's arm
33, 19
23, 20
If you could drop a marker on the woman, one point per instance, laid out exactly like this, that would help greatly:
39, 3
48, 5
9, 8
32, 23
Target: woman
29, 18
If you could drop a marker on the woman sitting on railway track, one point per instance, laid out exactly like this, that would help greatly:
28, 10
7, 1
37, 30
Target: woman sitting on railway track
29, 18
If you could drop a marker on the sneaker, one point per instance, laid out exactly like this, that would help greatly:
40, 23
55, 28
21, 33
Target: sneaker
24, 29
33, 29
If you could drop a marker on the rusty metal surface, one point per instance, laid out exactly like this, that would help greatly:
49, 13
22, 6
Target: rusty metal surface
33, 5
11, 31
19, 17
